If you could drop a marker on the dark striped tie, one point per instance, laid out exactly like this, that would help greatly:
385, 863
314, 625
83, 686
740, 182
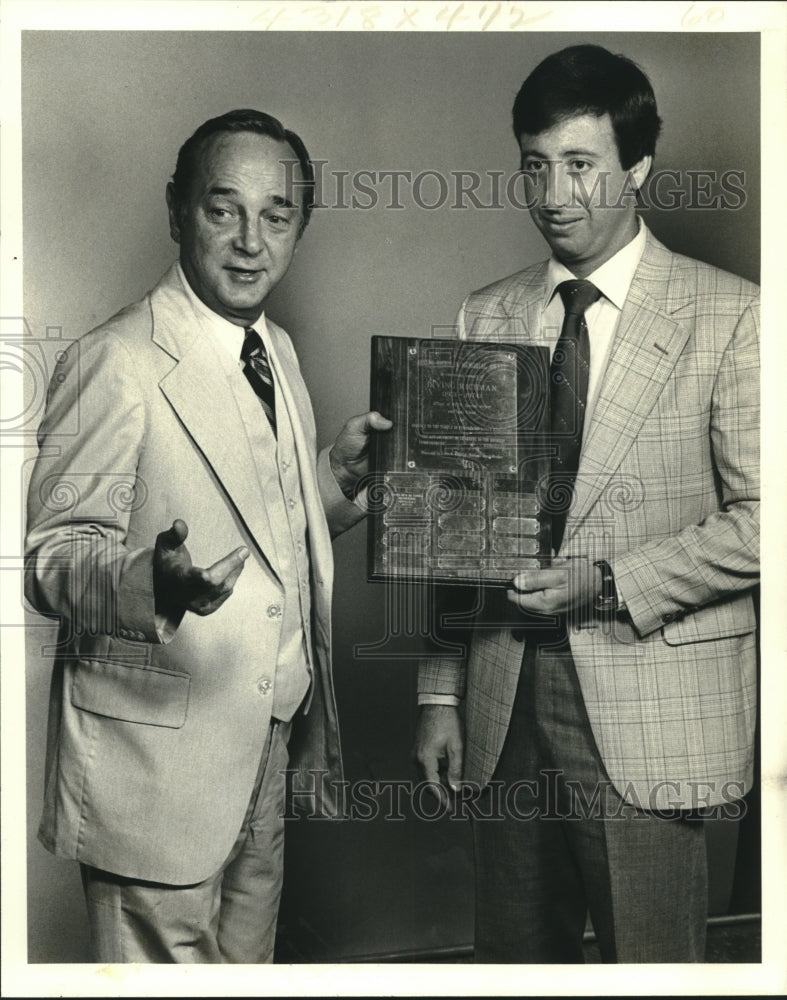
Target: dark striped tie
568, 398
258, 372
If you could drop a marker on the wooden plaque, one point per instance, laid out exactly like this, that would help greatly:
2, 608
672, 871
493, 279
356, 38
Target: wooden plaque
454, 487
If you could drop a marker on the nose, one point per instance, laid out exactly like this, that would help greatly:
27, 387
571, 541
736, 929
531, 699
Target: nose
248, 239
557, 187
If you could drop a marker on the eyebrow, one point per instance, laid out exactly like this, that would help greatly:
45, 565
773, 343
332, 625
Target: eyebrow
228, 192
567, 152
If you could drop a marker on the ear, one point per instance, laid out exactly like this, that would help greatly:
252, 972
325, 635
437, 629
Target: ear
639, 172
174, 220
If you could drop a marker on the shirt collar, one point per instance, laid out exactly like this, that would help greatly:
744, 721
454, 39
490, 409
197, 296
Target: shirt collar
230, 335
613, 278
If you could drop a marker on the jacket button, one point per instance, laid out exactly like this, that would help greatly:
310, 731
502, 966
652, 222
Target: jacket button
263, 686
668, 618
274, 611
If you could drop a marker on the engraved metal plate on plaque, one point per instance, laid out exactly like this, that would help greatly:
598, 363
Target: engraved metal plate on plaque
454, 485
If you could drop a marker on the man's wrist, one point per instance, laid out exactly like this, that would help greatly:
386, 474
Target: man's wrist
346, 483
450, 700
606, 600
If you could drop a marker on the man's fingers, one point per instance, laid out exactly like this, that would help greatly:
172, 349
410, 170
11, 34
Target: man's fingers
179, 584
377, 422
211, 587
227, 570
428, 753
203, 608
542, 602
439, 740
365, 422
534, 580
174, 536
232, 577
431, 771
454, 767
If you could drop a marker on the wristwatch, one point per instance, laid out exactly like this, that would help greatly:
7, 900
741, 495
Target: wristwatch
606, 602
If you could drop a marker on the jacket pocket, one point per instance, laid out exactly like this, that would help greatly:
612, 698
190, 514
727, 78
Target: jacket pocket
716, 621
131, 693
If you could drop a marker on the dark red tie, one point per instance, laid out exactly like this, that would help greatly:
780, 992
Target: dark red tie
568, 395
258, 372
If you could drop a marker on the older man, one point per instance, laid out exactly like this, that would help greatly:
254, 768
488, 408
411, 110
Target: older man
611, 697
182, 535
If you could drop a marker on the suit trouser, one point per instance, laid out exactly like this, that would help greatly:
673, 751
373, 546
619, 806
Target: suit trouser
230, 917
568, 844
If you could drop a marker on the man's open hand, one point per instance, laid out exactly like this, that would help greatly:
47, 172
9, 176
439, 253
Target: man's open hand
178, 585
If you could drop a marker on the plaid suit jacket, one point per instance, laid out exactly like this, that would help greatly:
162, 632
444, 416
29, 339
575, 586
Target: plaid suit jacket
668, 493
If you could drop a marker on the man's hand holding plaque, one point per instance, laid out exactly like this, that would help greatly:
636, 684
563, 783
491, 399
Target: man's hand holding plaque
564, 585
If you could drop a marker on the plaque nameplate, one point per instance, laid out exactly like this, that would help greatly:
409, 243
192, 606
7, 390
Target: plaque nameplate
454, 486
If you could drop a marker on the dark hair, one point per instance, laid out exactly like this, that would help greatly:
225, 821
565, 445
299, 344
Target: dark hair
244, 120
587, 79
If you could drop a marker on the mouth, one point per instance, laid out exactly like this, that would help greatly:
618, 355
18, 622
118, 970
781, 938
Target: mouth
559, 224
243, 274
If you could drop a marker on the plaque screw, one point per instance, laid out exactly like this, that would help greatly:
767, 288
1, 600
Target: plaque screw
510, 357
411, 465
413, 350
512, 468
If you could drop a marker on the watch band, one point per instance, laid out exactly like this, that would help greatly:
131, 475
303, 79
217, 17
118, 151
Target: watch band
607, 600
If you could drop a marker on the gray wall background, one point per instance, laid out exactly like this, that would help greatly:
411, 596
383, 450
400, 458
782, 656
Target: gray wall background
104, 114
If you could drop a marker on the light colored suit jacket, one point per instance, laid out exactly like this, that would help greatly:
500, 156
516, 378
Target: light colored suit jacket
155, 736
668, 493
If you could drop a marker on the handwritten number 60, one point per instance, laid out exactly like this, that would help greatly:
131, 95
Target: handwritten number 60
710, 16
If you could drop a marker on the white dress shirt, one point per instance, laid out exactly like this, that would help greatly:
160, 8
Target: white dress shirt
613, 279
229, 335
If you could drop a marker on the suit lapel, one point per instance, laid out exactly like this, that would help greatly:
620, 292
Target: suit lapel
647, 345
294, 397
200, 393
514, 318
